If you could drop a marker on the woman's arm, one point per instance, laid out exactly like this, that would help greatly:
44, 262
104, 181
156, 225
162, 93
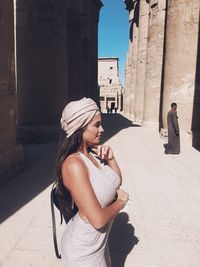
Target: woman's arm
76, 179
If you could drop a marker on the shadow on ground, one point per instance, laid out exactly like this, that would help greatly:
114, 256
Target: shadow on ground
121, 240
36, 177
114, 123
39, 169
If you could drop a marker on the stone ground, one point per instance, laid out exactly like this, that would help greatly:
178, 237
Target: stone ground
160, 228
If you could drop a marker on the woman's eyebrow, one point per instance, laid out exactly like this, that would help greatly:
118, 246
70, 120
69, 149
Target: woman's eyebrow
97, 122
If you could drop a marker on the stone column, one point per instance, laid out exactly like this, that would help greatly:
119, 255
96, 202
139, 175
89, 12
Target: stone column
141, 61
196, 104
93, 55
41, 67
88, 47
129, 7
120, 100
127, 82
11, 154
134, 59
133, 7
154, 61
82, 48
75, 21
181, 59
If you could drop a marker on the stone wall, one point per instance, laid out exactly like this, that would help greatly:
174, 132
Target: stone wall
109, 84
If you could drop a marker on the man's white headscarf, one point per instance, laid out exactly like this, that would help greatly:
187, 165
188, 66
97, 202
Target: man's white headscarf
78, 114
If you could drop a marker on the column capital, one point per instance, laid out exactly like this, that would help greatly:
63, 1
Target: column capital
130, 4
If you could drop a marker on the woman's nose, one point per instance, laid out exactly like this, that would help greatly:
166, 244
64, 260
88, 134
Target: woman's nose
101, 129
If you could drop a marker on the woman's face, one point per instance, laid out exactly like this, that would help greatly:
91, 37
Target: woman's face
92, 133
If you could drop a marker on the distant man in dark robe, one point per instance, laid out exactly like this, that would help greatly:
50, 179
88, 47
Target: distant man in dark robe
173, 146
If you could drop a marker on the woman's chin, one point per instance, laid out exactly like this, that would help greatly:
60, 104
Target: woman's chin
98, 140
95, 143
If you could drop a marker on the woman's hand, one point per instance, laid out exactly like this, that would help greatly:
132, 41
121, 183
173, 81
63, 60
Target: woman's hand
123, 196
105, 152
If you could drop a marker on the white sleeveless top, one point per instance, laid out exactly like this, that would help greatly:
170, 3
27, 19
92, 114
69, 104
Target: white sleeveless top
82, 245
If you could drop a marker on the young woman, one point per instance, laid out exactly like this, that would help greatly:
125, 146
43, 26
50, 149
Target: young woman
89, 174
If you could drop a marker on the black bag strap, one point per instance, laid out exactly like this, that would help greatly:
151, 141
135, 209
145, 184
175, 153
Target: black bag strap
54, 222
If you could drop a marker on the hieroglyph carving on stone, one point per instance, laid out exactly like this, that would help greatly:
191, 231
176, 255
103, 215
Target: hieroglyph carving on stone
154, 7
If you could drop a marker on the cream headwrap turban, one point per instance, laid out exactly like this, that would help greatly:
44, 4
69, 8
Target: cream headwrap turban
77, 114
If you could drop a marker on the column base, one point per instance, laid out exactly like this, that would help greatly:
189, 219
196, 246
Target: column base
196, 140
153, 125
138, 122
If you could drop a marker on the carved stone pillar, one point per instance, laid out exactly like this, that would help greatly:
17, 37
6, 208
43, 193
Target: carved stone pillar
82, 50
154, 61
130, 7
127, 82
93, 90
74, 22
141, 61
41, 67
196, 104
181, 59
133, 7
11, 154
134, 59
56, 61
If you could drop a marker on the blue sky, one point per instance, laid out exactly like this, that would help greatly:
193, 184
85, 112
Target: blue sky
113, 32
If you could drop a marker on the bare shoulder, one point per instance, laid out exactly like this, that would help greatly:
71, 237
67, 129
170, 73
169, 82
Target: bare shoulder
74, 169
72, 159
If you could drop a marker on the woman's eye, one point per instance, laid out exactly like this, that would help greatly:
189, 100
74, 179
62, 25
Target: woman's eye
98, 125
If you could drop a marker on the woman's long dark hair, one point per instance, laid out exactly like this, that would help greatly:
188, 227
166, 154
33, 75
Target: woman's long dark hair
67, 147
